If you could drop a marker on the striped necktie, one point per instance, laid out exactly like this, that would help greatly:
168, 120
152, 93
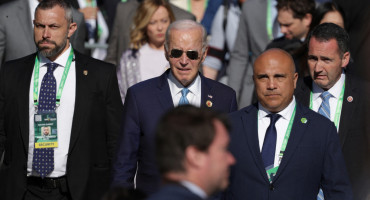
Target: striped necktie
325, 111
325, 106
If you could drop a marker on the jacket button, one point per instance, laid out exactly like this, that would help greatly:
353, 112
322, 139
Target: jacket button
272, 187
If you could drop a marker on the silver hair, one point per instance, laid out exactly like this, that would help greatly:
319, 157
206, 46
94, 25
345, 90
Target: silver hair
49, 4
186, 25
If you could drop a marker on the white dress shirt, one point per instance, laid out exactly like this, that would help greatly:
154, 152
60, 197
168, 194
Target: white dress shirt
194, 189
281, 126
333, 101
64, 113
195, 90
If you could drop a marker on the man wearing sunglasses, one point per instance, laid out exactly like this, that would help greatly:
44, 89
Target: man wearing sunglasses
147, 101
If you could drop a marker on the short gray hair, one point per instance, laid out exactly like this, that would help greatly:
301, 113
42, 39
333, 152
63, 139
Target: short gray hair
186, 25
49, 4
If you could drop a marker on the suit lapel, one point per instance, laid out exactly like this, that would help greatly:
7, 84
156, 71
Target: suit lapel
82, 97
206, 93
250, 126
298, 130
164, 93
23, 100
348, 108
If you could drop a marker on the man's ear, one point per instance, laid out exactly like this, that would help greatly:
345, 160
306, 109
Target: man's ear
204, 55
345, 59
295, 78
71, 29
307, 19
194, 157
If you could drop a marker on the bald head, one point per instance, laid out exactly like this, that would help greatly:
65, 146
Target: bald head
275, 56
275, 79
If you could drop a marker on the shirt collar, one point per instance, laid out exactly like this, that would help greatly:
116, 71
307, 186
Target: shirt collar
334, 91
194, 189
286, 113
194, 87
61, 60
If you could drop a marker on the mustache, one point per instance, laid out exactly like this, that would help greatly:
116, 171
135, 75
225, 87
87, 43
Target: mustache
271, 93
47, 40
316, 74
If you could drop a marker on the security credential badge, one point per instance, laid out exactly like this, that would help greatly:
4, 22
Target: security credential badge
46, 132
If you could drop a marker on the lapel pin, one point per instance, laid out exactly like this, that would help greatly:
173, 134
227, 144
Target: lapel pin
304, 120
209, 103
350, 99
210, 96
85, 72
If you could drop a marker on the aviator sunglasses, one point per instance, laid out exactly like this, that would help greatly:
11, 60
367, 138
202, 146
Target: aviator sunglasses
191, 54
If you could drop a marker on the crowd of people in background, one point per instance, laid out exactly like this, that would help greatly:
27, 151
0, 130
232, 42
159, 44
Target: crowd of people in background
268, 70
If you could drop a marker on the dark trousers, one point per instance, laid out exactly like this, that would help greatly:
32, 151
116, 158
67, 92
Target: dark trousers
47, 189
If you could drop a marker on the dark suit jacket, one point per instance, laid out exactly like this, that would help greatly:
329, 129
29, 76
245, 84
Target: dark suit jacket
145, 103
174, 192
119, 40
357, 24
16, 31
95, 127
353, 137
312, 159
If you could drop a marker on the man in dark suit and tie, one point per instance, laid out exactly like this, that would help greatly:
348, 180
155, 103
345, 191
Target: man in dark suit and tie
340, 97
192, 153
16, 30
185, 49
77, 97
283, 149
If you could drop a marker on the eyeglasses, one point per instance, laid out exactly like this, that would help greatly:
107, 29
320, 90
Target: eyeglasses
191, 54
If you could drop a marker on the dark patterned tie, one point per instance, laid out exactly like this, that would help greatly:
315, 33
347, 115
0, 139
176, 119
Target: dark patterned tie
269, 143
43, 159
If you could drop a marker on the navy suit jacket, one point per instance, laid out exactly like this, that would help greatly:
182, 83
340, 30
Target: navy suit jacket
312, 159
144, 105
354, 137
174, 192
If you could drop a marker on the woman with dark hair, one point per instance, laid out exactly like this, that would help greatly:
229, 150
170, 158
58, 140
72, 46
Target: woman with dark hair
328, 12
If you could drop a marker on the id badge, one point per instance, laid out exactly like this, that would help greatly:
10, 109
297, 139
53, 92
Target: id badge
46, 135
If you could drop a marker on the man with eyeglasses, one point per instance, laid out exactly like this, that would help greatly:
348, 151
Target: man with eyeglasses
147, 101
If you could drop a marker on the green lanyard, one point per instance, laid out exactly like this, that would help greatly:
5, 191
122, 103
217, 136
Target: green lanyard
273, 171
339, 106
61, 84
189, 5
92, 3
269, 20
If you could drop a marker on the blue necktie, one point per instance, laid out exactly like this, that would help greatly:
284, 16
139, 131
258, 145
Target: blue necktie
43, 159
325, 106
325, 111
269, 143
183, 99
